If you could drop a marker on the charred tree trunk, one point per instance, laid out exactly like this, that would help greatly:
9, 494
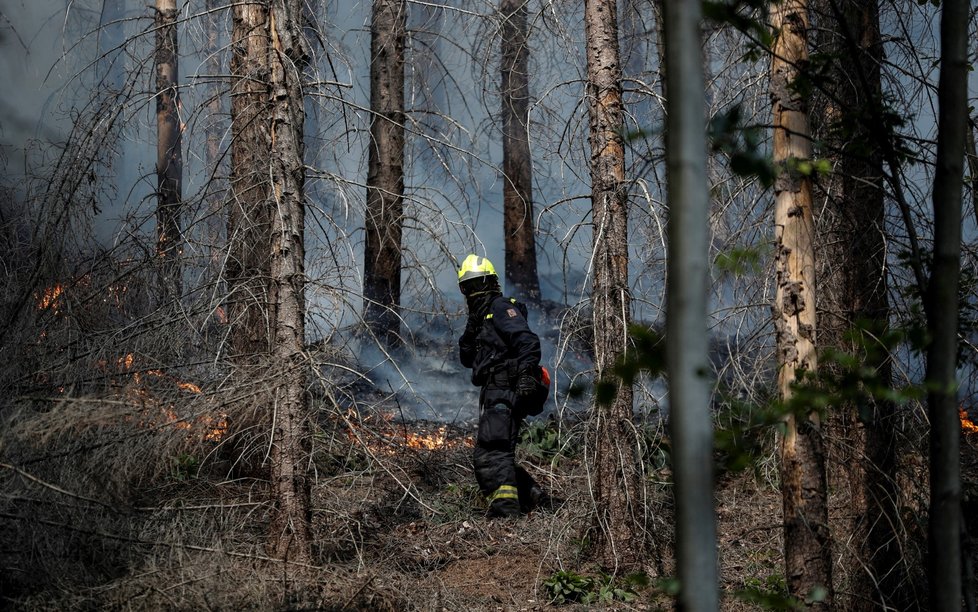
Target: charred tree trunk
385, 172
521, 256
690, 388
619, 496
169, 159
851, 262
266, 263
290, 420
941, 304
807, 544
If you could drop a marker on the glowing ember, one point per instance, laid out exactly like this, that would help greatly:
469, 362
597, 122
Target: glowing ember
967, 425
117, 292
50, 298
217, 427
176, 420
210, 428
186, 386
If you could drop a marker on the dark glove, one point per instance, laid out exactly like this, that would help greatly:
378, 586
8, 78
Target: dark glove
526, 385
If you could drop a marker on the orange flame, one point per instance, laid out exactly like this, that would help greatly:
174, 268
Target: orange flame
217, 427
386, 436
214, 427
967, 425
427, 442
186, 386
50, 298
176, 420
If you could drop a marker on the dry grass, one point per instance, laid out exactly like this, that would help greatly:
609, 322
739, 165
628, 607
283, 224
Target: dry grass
97, 514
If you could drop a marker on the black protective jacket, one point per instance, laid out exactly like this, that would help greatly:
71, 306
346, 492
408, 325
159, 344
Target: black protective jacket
497, 342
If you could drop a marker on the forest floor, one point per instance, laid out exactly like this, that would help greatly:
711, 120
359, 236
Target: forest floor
398, 525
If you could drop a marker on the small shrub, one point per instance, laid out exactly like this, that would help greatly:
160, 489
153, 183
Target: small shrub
543, 440
185, 467
570, 587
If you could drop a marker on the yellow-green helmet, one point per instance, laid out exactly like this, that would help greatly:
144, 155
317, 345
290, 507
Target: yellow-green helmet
475, 267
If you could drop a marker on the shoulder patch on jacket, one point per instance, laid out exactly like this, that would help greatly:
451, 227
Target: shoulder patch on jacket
511, 312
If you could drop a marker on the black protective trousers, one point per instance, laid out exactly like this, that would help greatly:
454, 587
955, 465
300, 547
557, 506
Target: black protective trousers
506, 486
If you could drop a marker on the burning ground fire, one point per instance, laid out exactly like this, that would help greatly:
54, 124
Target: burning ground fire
50, 298
967, 425
54, 299
211, 428
386, 436
154, 412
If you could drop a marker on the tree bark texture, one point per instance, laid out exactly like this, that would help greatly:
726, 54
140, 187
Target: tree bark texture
808, 560
850, 260
290, 425
520, 241
619, 496
686, 310
249, 217
267, 188
169, 158
385, 172
941, 305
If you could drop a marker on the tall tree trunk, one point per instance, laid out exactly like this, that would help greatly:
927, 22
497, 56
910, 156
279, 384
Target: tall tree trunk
808, 560
212, 149
686, 309
385, 172
249, 219
941, 303
266, 269
521, 256
290, 420
851, 270
169, 159
619, 496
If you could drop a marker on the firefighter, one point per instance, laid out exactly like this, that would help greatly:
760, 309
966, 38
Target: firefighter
504, 355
